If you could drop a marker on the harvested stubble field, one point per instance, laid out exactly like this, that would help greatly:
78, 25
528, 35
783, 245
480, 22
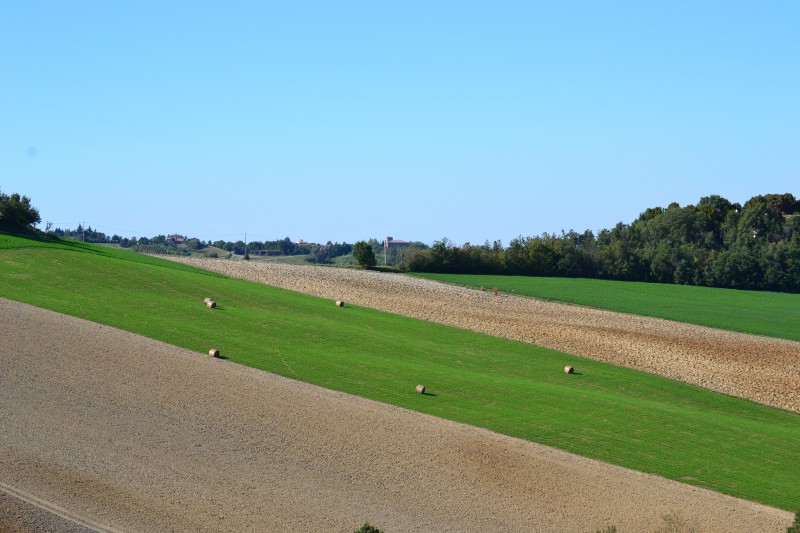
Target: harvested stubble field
132, 434
762, 369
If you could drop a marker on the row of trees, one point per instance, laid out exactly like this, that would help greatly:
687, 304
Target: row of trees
319, 253
87, 234
714, 243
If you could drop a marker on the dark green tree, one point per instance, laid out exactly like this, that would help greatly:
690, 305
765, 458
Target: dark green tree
714, 243
363, 254
761, 221
16, 212
542, 255
286, 246
617, 252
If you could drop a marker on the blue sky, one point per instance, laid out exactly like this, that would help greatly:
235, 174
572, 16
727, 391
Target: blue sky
347, 120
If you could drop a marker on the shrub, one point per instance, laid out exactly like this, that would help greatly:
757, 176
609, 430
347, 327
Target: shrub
674, 522
362, 252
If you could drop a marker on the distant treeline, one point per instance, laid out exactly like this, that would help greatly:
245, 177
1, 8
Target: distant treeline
715, 243
319, 253
89, 235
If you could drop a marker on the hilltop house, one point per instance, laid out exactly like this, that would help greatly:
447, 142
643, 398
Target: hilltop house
392, 243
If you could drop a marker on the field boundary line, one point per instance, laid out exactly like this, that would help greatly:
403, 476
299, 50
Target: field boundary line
56, 509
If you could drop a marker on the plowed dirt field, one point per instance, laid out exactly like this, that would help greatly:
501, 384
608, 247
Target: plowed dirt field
122, 433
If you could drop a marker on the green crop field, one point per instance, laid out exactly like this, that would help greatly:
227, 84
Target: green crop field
288, 259
614, 414
771, 314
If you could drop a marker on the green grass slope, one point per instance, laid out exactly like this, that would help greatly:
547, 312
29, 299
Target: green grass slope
770, 314
614, 414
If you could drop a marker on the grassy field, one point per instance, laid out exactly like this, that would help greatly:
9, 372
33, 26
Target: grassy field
345, 260
287, 259
762, 313
209, 251
613, 414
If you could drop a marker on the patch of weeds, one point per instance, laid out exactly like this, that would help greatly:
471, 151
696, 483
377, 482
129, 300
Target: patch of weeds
674, 522
795, 527
608, 529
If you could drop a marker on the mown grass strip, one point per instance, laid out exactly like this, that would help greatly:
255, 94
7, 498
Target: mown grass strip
614, 414
770, 314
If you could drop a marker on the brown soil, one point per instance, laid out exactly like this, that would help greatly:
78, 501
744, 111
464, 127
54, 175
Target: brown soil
762, 369
136, 435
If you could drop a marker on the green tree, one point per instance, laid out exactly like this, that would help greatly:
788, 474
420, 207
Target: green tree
786, 203
362, 252
286, 245
761, 221
515, 256
617, 250
543, 254
717, 209
16, 212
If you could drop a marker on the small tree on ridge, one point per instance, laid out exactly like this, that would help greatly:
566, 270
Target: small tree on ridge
362, 252
16, 212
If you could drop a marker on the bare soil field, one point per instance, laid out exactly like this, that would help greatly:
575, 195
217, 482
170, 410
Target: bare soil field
762, 369
130, 434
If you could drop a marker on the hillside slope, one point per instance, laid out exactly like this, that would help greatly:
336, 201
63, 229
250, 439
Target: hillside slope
762, 369
143, 436
606, 412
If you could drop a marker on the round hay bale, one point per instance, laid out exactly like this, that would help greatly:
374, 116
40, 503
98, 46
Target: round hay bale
213, 352
206, 300
339, 303
421, 389
568, 370
211, 304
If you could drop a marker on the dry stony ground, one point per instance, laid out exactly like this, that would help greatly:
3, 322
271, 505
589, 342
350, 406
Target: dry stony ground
759, 368
122, 433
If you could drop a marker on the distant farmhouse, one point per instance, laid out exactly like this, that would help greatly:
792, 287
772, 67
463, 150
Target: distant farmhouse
391, 244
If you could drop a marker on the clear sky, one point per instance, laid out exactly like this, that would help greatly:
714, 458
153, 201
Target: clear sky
343, 120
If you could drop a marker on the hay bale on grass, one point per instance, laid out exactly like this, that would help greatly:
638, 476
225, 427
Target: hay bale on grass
568, 369
421, 389
213, 352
